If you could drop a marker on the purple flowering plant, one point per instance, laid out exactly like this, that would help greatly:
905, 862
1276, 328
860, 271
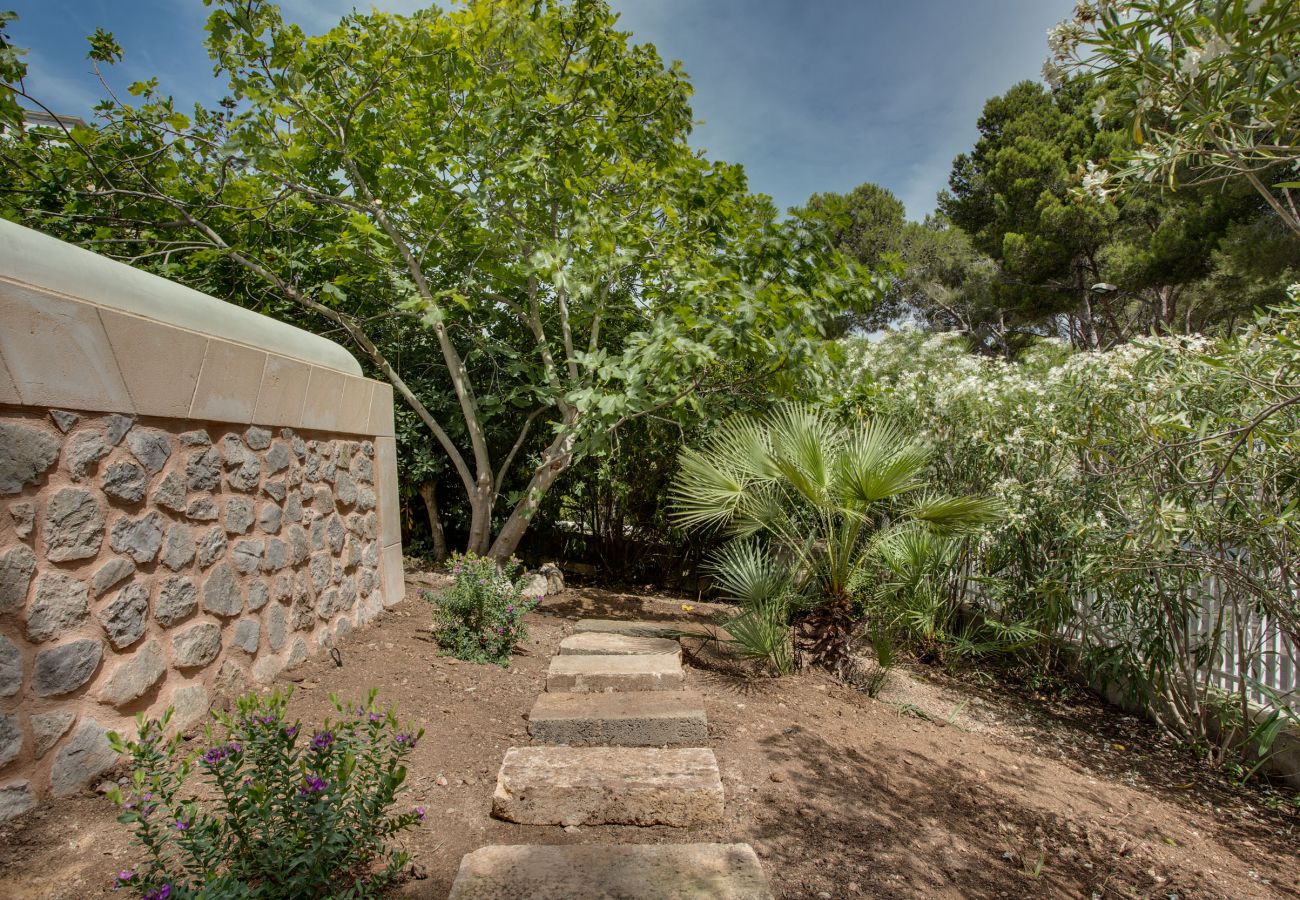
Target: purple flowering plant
480, 618
289, 811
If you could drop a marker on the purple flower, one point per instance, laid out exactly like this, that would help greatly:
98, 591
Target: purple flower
214, 755
268, 720
161, 893
376, 717
314, 785
234, 748
405, 740
321, 740
291, 731
419, 813
126, 875
181, 825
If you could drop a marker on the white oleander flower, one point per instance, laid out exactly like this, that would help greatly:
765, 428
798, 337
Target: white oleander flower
1053, 74
1214, 48
1099, 111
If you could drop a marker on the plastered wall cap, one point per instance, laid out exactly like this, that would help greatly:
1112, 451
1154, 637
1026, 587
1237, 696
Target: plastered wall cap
28, 257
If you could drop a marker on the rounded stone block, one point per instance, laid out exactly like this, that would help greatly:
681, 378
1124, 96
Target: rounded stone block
73, 527
196, 646
85, 755
64, 669
25, 455
60, 604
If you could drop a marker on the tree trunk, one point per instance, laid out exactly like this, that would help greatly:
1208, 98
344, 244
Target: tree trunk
480, 517
824, 636
428, 492
556, 459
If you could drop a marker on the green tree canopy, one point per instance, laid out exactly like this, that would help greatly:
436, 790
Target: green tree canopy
505, 192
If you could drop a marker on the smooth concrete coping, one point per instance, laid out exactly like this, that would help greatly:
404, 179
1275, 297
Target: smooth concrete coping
629, 719
604, 644
82, 332
597, 674
33, 259
609, 786
602, 871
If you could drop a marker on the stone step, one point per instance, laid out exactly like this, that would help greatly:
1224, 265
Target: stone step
630, 627
597, 643
608, 786
627, 719
603, 871
598, 674
650, 628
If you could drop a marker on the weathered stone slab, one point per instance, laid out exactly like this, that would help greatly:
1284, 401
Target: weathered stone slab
629, 719
602, 871
596, 674
633, 627
608, 786
595, 643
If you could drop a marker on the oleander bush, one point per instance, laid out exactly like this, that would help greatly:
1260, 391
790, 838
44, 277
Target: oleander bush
480, 618
288, 812
1151, 530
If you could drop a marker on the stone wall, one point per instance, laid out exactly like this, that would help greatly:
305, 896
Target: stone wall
182, 514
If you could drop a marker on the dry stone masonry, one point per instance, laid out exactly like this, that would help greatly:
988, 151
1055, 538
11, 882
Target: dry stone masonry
194, 498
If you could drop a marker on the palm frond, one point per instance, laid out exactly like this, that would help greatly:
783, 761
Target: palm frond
955, 515
748, 574
878, 462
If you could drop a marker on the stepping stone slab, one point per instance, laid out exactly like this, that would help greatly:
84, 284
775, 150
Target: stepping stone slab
647, 628
598, 674
595, 643
599, 872
628, 719
608, 786
634, 628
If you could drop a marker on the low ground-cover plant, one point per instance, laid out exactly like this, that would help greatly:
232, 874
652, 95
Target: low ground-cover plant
480, 618
291, 813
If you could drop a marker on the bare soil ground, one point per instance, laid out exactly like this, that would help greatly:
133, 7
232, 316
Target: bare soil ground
934, 789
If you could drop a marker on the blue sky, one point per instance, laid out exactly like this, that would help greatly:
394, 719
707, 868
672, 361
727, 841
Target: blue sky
810, 95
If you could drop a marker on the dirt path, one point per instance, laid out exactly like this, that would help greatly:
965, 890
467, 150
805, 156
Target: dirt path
841, 795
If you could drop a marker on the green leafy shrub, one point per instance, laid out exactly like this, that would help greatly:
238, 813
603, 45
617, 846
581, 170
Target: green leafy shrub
480, 618
813, 505
291, 814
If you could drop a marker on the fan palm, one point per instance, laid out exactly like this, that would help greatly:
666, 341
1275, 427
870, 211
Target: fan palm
810, 505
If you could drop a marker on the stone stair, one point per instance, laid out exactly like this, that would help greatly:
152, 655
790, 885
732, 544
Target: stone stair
620, 688
627, 719
602, 871
595, 643
600, 674
609, 786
